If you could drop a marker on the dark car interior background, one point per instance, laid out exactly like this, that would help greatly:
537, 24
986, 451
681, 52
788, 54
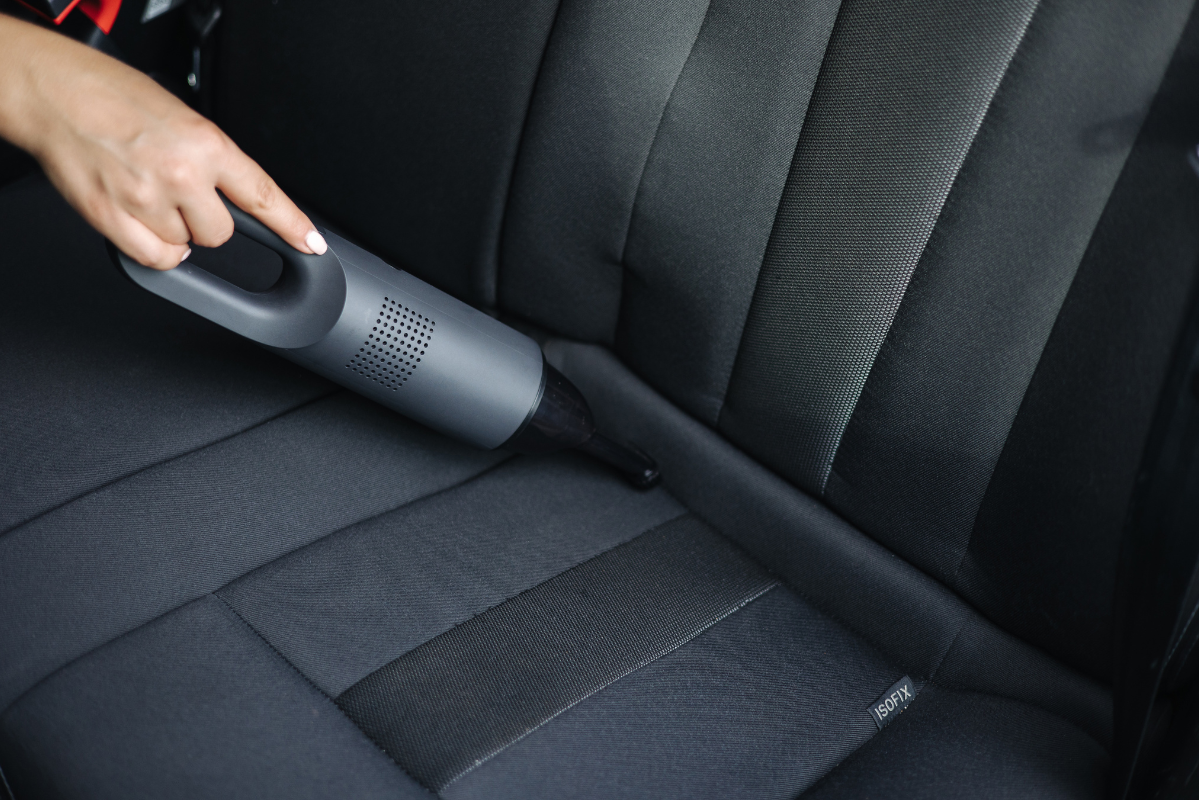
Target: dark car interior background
900, 295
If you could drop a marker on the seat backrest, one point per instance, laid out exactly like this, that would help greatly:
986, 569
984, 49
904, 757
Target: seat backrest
875, 244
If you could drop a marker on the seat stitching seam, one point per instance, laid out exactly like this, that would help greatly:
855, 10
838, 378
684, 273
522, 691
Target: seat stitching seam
1026, 703
653, 141
501, 226
163, 462
8, 792
1179, 639
309, 681
525, 591
233, 580
934, 673
637, 667
350, 525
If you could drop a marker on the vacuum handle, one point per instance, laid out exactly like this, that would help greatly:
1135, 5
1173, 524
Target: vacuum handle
299, 310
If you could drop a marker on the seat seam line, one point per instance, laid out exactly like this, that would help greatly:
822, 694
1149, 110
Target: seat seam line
233, 580
524, 591
258, 634
637, 193
635, 668
502, 223
367, 518
162, 462
984, 116
952, 688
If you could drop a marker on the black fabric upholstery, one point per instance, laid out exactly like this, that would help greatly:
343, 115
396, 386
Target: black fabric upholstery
399, 123
1063, 481
919, 451
759, 705
909, 84
122, 555
649, 176
918, 624
955, 744
608, 73
192, 705
445, 707
348, 604
709, 191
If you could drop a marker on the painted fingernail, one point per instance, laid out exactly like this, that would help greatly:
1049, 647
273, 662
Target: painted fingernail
186, 253
316, 243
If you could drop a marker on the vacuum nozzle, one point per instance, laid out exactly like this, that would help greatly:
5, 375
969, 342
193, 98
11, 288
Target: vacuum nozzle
561, 420
637, 467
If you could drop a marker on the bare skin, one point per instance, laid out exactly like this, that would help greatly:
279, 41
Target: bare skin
137, 163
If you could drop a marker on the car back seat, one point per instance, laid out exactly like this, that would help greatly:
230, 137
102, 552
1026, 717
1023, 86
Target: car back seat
889, 289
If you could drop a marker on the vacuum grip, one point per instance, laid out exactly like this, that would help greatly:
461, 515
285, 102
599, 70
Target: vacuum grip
300, 309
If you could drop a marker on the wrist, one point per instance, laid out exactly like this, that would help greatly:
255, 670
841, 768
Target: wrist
16, 125
35, 65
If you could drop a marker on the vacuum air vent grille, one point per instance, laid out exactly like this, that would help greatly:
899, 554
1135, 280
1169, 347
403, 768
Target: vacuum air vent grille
394, 347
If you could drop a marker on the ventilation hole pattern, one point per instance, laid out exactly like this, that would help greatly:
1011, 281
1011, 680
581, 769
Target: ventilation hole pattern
394, 347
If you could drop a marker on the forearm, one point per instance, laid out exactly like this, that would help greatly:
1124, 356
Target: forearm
37, 67
17, 79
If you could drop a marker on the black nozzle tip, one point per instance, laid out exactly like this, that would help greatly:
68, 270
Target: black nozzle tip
647, 475
646, 479
637, 467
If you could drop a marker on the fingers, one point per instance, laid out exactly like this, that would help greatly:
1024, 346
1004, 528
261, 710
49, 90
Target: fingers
207, 218
140, 243
252, 190
166, 222
103, 212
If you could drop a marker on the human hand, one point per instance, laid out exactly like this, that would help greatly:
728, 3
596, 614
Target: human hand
137, 163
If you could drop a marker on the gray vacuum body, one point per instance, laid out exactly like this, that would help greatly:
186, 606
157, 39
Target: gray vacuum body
391, 337
423, 353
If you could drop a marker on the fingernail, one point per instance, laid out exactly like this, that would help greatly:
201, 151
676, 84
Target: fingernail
186, 253
316, 243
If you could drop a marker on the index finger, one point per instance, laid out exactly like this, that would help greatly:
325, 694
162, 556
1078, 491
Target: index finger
252, 190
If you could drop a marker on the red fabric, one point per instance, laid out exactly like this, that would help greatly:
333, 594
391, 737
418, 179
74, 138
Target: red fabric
40, 12
101, 12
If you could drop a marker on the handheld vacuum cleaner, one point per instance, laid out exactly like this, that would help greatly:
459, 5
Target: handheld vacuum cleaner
381, 332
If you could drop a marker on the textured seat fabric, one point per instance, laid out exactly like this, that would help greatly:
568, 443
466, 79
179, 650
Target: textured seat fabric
888, 290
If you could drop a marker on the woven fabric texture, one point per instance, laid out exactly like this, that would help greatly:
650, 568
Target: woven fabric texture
902, 92
457, 700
